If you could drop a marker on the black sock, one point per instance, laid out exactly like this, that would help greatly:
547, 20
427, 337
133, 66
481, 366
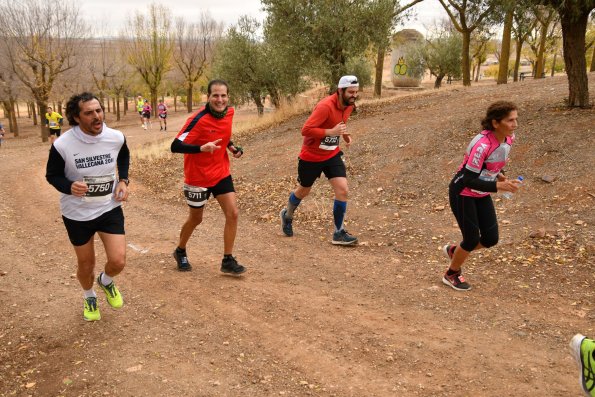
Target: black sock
227, 256
450, 272
181, 250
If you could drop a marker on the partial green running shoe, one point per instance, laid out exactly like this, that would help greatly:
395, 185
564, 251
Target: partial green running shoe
583, 351
90, 310
114, 297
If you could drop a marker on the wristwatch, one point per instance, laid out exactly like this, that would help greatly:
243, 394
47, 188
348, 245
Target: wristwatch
125, 180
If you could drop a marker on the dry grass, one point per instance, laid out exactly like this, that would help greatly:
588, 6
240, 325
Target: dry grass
246, 124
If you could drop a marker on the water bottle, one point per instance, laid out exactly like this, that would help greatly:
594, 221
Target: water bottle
508, 195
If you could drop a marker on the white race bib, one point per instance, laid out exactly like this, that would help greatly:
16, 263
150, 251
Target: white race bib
196, 196
100, 187
329, 142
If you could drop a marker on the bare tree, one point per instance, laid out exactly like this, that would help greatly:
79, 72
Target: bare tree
41, 40
109, 71
467, 16
148, 46
9, 88
194, 48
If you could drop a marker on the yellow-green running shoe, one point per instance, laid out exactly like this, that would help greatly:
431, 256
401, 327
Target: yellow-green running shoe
583, 351
114, 297
90, 309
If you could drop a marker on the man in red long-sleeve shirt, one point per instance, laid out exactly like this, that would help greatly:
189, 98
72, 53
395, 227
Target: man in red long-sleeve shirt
320, 153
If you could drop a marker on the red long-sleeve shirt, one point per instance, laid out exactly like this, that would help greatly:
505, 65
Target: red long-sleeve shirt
329, 112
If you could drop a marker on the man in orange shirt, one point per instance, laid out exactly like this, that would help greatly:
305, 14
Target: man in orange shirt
204, 140
320, 153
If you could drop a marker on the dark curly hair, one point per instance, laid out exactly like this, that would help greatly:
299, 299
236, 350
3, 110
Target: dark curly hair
497, 111
72, 106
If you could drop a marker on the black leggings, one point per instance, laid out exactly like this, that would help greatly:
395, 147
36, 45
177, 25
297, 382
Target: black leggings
476, 218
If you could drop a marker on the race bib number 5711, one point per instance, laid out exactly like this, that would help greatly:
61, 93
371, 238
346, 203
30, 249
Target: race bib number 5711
196, 196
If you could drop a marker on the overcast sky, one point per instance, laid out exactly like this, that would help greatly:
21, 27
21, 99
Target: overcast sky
114, 13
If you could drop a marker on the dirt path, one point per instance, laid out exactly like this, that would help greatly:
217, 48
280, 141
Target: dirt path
310, 318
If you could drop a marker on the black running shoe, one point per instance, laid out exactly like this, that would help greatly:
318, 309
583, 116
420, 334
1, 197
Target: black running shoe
230, 265
456, 281
342, 237
286, 223
182, 260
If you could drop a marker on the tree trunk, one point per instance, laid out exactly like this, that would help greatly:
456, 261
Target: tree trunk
517, 59
573, 36
154, 101
44, 133
465, 65
258, 101
505, 49
9, 114
125, 101
540, 62
438, 82
34, 113
554, 64
478, 70
189, 96
379, 70
15, 125
117, 107
175, 102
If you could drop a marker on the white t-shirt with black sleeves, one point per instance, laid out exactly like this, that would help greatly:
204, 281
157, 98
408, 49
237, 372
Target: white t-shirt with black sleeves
92, 159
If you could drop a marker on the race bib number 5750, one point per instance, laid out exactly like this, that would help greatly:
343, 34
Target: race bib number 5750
99, 187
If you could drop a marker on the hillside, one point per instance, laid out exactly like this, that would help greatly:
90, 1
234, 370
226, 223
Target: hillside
309, 318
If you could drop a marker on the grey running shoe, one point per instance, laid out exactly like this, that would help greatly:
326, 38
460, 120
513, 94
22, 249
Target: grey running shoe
230, 265
342, 237
286, 223
182, 260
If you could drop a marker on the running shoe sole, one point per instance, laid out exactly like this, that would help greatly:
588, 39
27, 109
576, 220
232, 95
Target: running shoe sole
445, 281
354, 242
575, 350
231, 272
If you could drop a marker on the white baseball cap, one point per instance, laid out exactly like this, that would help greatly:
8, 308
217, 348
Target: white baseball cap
348, 81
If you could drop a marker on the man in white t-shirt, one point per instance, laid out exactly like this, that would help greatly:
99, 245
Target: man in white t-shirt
88, 165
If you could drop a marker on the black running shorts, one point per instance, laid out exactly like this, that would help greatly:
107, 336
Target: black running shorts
80, 232
309, 171
224, 186
55, 131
